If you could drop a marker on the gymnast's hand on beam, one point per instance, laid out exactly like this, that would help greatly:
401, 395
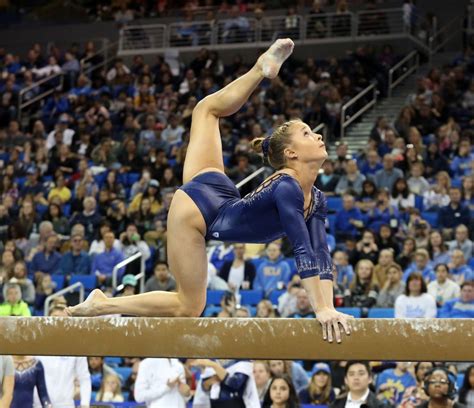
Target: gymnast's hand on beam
330, 320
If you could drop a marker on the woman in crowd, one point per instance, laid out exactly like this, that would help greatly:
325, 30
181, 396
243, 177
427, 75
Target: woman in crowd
387, 240
265, 309
438, 195
29, 374
366, 248
367, 199
363, 290
413, 396
416, 302
110, 389
467, 191
437, 249
466, 392
55, 215
152, 193
392, 288
113, 187
281, 394
293, 370
262, 375
383, 213
319, 391
143, 218
401, 197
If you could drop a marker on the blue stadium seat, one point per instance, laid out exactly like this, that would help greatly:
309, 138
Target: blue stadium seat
381, 313
124, 373
132, 178
353, 311
59, 280
113, 361
210, 310
89, 281
419, 203
214, 297
250, 297
100, 178
334, 204
275, 295
431, 218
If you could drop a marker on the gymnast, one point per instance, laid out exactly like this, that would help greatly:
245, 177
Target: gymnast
209, 206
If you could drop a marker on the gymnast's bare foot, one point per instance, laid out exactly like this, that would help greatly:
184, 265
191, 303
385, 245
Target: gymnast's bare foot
90, 307
271, 60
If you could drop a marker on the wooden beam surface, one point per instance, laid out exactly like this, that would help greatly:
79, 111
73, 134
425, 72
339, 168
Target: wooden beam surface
373, 339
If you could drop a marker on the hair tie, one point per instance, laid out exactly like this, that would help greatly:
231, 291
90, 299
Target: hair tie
266, 146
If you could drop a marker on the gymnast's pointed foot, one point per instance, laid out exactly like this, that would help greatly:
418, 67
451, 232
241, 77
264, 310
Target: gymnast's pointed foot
271, 60
90, 307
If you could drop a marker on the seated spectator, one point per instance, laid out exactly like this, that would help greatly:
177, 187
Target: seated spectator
439, 387
110, 389
293, 370
161, 279
47, 260
401, 197
20, 277
141, 184
89, 217
420, 266
363, 290
383, 212
349, 220
104, 263
281, 392
98, 245
462, 307
287, 301
131, 244
328, 180
304, 309
319, 391
274, 272
437, 249
461, 241
372, 164
161, 382
151, 193
417, 183
386, 258
98, 370
239, 273
358, 378
467, 191
454, 214
60, 222
438, 194
443, 288
415, 302
366, 248
392, 383
387, 240
60, 190
351, 181
265, 309
460, 272
392, 288
13, 305
461, 163
345, 272
413, 396
466, 392
76, 261
7, 264
385, 178
366, 201
262, 375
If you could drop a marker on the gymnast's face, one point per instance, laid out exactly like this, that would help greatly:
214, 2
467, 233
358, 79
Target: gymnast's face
306, 146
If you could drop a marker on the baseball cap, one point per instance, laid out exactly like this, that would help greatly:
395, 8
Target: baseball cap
154, 183
130, 280
321, 367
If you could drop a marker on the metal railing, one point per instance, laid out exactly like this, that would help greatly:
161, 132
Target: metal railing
441, 37
62, 292
140, 277
403, 69
107, 53
347, 120
250, 177
150, 36
379, 22
124, 263
323, 129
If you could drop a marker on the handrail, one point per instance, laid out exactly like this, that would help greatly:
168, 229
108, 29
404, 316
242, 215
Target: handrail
393, 84
321, 128
141, 277
121, 264
107, 58
454, 26
68, 289
345, 123
250, 177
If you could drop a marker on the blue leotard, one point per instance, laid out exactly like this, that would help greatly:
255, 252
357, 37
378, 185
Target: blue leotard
273, 210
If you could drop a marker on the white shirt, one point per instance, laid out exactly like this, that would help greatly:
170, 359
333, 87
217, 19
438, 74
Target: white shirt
151, 383
415, 306
68, 135
443, 292
236, 275
352, 403
98, 247
59, 373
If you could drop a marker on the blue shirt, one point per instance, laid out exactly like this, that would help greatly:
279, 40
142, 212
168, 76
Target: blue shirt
45, 263
105, 262
345, 273
397, 383
463, 271
270, 273
427, 273
75, 264
456, 309
342, 221
461, 166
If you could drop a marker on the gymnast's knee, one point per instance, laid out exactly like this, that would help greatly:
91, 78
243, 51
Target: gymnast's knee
191, 310
205, 107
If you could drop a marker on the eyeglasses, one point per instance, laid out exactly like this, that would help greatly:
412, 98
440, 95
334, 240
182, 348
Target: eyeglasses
442, 382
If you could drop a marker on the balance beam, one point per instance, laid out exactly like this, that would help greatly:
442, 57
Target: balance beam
373, 339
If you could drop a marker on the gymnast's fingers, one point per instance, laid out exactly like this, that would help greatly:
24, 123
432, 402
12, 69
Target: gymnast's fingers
346, 324
337, 330
329, 331
325, 332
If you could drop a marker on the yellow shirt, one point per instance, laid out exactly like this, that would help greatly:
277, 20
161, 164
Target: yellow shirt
63, 193
135, 204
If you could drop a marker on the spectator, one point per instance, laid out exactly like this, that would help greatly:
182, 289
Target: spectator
440, 386
98, 370
59, 221
345, 272
328, 180
274, 272
466, 392
420, 266
98, 245
437, 249
303, 306
413, 396
460, 272
386, 259
366, 248
20, 277
151, 193
161, 279
60, 374
454, 214
351, 182
46, 261
265, 309
461, 163
104, 263
281, 393
29, 374
13, 305
385, 178
392, 383
76, 261
372, 164
461, 241
443, 288
161, 382
387, 239
7, 381
110, 389
262, 375
89, 217
363, 291
415, 302
239, 273
319, 391
417, 183
131, 244
287, 301
357, 377
383, 212
462, 307
349, 220
438, 194
392, 288
402, 198
293, 370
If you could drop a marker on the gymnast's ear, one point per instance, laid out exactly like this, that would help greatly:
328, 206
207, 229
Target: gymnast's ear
290, 154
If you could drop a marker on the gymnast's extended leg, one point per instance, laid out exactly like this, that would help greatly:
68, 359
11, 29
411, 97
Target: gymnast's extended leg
186, 227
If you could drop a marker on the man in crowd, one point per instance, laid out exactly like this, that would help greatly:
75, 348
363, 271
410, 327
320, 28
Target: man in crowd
462, 307
461, 241
303, 306
454, 214
460, 272
161, 279
105, 262
274, 272
392, 383
76, 261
